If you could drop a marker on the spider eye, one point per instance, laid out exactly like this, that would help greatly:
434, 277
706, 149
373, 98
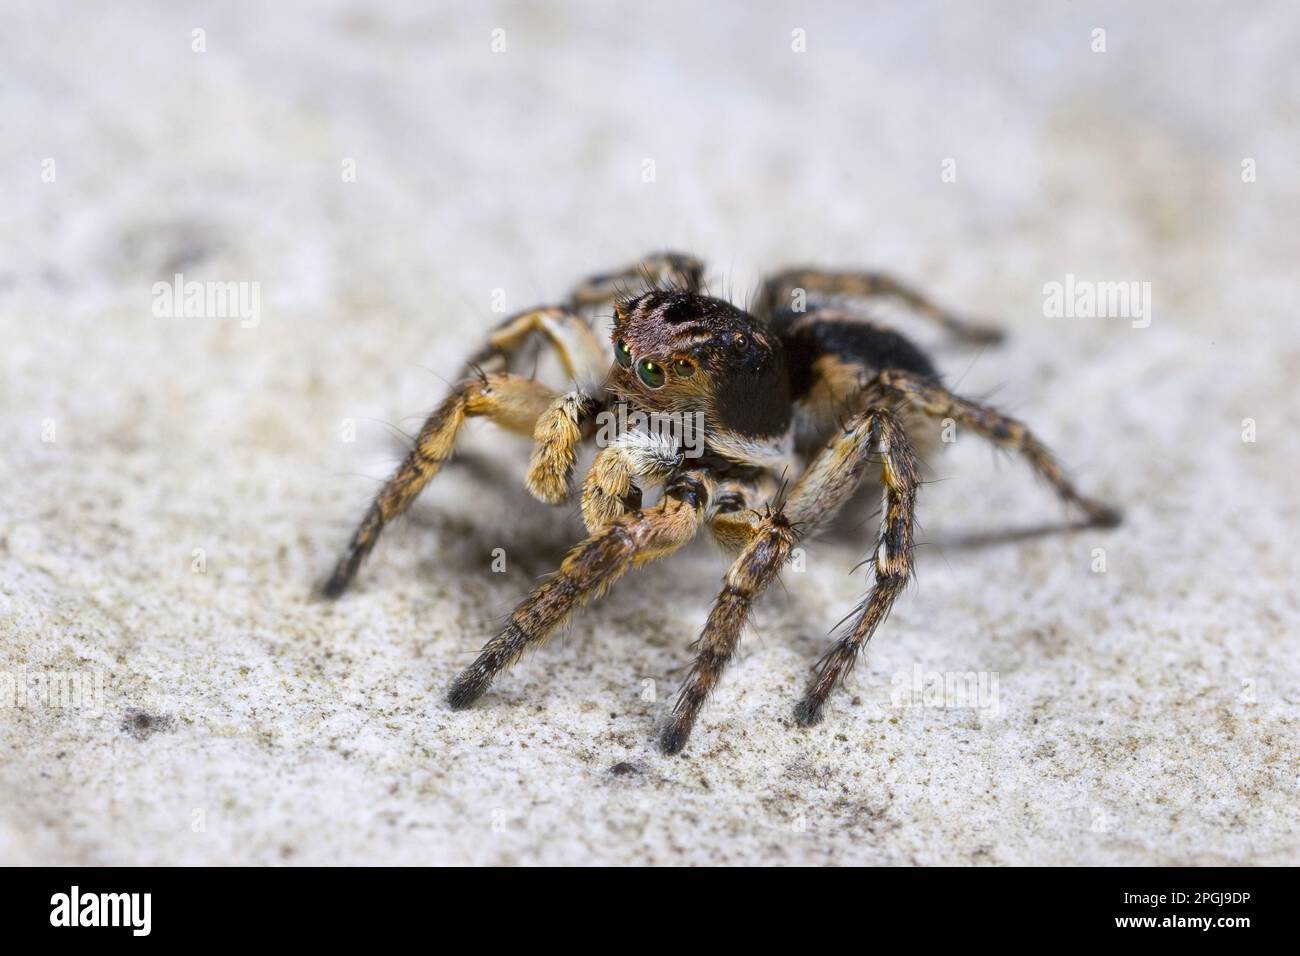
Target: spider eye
622, 354
683, 368
652, 373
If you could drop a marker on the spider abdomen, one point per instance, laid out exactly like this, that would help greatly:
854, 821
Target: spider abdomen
814, 337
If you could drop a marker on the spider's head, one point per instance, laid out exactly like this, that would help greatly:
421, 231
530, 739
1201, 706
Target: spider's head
682, 352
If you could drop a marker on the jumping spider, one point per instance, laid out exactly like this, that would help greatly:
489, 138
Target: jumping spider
805, 378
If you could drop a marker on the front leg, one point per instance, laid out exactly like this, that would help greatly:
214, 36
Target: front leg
830, 480
559, 432
586, 573
611, 490
770, 540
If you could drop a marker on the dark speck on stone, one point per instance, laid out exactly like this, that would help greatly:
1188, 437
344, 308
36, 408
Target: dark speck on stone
142, 725
623, 769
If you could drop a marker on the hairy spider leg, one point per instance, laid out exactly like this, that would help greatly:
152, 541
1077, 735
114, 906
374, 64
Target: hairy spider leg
779, 292
586, 573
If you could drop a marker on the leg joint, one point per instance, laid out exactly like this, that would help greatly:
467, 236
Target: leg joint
688, 489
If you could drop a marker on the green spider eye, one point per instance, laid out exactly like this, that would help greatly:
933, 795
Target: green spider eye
652, 373
622, 354
683, 368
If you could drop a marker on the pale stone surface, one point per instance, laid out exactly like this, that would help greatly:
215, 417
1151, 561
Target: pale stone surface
1147, 714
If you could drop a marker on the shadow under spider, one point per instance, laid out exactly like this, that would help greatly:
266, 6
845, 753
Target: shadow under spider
973, 540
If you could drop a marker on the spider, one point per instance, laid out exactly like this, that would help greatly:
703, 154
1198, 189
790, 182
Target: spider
804, 377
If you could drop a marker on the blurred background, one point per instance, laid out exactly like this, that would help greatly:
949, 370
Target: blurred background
388, 176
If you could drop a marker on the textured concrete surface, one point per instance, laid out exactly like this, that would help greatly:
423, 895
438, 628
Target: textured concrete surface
172, 488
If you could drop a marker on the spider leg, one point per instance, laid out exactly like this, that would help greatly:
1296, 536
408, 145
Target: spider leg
558, 433
610, 490
511, 401
768, 538
936, 401
817, 283
731, 518
658, 270
760, 561
893, 558
590, 568
585, 358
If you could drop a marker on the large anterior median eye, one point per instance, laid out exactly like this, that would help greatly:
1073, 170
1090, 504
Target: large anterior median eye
652, 373
622, 354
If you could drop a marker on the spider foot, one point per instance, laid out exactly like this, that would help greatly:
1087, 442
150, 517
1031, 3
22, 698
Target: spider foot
674, 738
338, 581
1103, 516
358, 548
468, 687
808, 712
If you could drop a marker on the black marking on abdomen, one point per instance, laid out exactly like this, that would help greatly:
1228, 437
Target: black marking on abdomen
808, 338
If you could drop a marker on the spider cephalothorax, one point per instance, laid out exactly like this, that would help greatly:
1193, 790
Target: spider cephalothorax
678, 352
807, 380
